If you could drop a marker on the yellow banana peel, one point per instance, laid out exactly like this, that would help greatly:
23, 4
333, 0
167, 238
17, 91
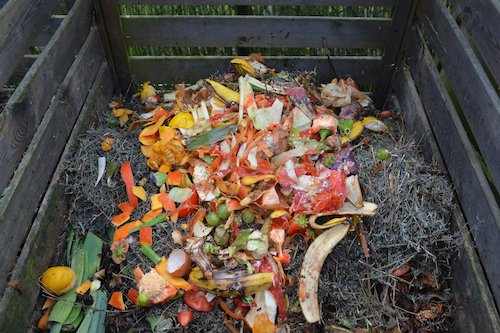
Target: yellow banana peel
224, 92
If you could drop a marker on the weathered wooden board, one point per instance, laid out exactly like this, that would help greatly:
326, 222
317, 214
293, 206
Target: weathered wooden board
48, 31
20, 200
477, 200
22, 68
402, 19
414, 116
481, 19
28, 104
470, 287
478, 99
263, 2
108, 17
15, 306
191, 69
20, 22
255, 31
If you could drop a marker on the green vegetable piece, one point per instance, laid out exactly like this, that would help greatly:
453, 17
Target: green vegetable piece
212, 136
240, 242
93, 247
345, 126
382, 154
161, 178
142, 300
329, 161
63, 307
85, 325
248, 216
152, 223
222, 212
324, 133
212, 219
150, 254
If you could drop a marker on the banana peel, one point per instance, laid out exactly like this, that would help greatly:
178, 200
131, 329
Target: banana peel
224, 92
311, 267
232, 285
243, 67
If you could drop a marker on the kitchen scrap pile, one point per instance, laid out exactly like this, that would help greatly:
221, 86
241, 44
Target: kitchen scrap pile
214, 207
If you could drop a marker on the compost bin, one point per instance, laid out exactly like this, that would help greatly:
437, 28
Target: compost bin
68, 70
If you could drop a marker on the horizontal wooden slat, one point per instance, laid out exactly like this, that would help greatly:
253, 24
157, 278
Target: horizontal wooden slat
478, 99
15, 306
20, 200
263, 2
255, 31
470, 287
477, 200
26, 107
20, 22
48, 31
191, 69
481, 18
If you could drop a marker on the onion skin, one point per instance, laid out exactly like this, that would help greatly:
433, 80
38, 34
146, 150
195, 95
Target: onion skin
173, 268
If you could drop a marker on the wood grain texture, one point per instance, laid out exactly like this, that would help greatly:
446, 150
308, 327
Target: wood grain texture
191, 69
108, 17
48, 31
16, 307
20, 23
401, 22
478, 99
481, 19
255, 31
20, 200
469, 285
263, 2
26, 107
477, 200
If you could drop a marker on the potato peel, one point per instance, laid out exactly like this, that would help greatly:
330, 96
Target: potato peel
311, 267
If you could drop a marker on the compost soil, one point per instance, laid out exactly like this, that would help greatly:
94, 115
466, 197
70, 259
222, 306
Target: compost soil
402, 284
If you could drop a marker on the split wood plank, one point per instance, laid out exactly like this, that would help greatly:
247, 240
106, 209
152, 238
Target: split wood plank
475, 195
20, 23
481, 19
26, 107
477, 96
255, 31
470, 287
16, 307
20, 200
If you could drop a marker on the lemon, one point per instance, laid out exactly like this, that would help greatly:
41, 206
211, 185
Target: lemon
58, 279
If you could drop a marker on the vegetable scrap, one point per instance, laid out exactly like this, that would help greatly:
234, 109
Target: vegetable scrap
225, 206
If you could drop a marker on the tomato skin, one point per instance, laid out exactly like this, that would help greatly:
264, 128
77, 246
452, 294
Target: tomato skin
295, 228
185, 317
189, 206
197, 301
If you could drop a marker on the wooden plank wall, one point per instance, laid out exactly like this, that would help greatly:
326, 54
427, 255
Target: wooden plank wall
242, 32
475, 113
35, 126
470, 286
